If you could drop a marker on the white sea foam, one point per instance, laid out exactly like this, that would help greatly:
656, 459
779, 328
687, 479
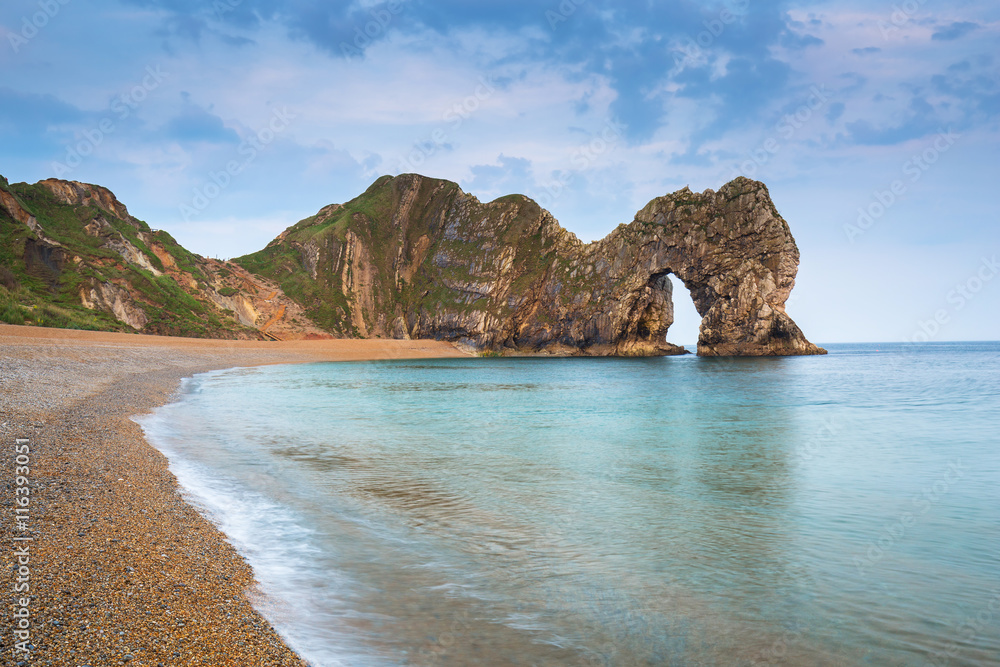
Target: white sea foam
305, 603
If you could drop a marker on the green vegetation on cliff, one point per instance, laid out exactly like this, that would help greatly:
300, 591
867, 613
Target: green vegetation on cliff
30, 290
415, 257
409, 247
64, 247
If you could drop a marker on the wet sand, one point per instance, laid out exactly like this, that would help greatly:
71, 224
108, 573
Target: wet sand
121, 570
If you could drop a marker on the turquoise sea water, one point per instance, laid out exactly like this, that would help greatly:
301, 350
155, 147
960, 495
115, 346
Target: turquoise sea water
837, 510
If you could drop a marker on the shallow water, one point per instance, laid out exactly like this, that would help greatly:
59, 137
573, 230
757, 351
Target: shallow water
812, 510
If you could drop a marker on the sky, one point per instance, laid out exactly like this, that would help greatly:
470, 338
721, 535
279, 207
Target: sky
875, 125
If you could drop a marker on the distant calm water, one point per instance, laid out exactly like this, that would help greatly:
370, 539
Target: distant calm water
837, 510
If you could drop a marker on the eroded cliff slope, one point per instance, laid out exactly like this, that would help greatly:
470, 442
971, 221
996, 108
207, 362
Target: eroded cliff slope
415, 257
72, 256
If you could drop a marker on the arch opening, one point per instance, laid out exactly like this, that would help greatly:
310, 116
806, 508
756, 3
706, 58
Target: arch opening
687, 321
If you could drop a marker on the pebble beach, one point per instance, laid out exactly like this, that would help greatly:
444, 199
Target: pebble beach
119, 569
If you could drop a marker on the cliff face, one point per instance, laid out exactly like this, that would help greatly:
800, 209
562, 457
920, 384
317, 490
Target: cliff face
71, 255
415, 257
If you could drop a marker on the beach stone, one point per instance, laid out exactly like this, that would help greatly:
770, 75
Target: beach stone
84, 589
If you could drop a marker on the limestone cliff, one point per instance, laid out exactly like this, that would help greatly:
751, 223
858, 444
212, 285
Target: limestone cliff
71, 255
415, 257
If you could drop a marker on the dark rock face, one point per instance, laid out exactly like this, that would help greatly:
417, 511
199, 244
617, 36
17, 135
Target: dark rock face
44, 261
415, 257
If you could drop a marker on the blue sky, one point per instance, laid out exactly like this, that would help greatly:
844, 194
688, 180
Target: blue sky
874, 125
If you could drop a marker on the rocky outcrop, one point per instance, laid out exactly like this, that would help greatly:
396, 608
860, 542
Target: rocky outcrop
733, 252
118, 300
110, 270
74, 193
131, 254
16, 211
417, 257
13, 207
258, 303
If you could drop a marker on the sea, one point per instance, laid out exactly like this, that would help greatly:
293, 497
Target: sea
829, 510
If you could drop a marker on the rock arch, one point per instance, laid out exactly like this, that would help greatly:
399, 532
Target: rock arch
731, 249
505, 276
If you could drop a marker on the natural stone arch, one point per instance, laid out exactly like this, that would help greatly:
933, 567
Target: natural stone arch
416, 257
732, 251
737, 258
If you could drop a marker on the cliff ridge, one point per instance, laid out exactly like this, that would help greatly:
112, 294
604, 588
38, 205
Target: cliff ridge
416, 257
72, 256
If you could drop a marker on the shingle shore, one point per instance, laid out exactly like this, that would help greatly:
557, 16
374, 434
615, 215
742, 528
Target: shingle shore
121, 569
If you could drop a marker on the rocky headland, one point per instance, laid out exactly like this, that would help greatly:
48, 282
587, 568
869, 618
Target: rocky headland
415, 257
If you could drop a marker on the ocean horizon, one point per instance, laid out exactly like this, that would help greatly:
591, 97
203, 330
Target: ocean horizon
832, 510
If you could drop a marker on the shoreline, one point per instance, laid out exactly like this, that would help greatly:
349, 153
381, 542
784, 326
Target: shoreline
121, 569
